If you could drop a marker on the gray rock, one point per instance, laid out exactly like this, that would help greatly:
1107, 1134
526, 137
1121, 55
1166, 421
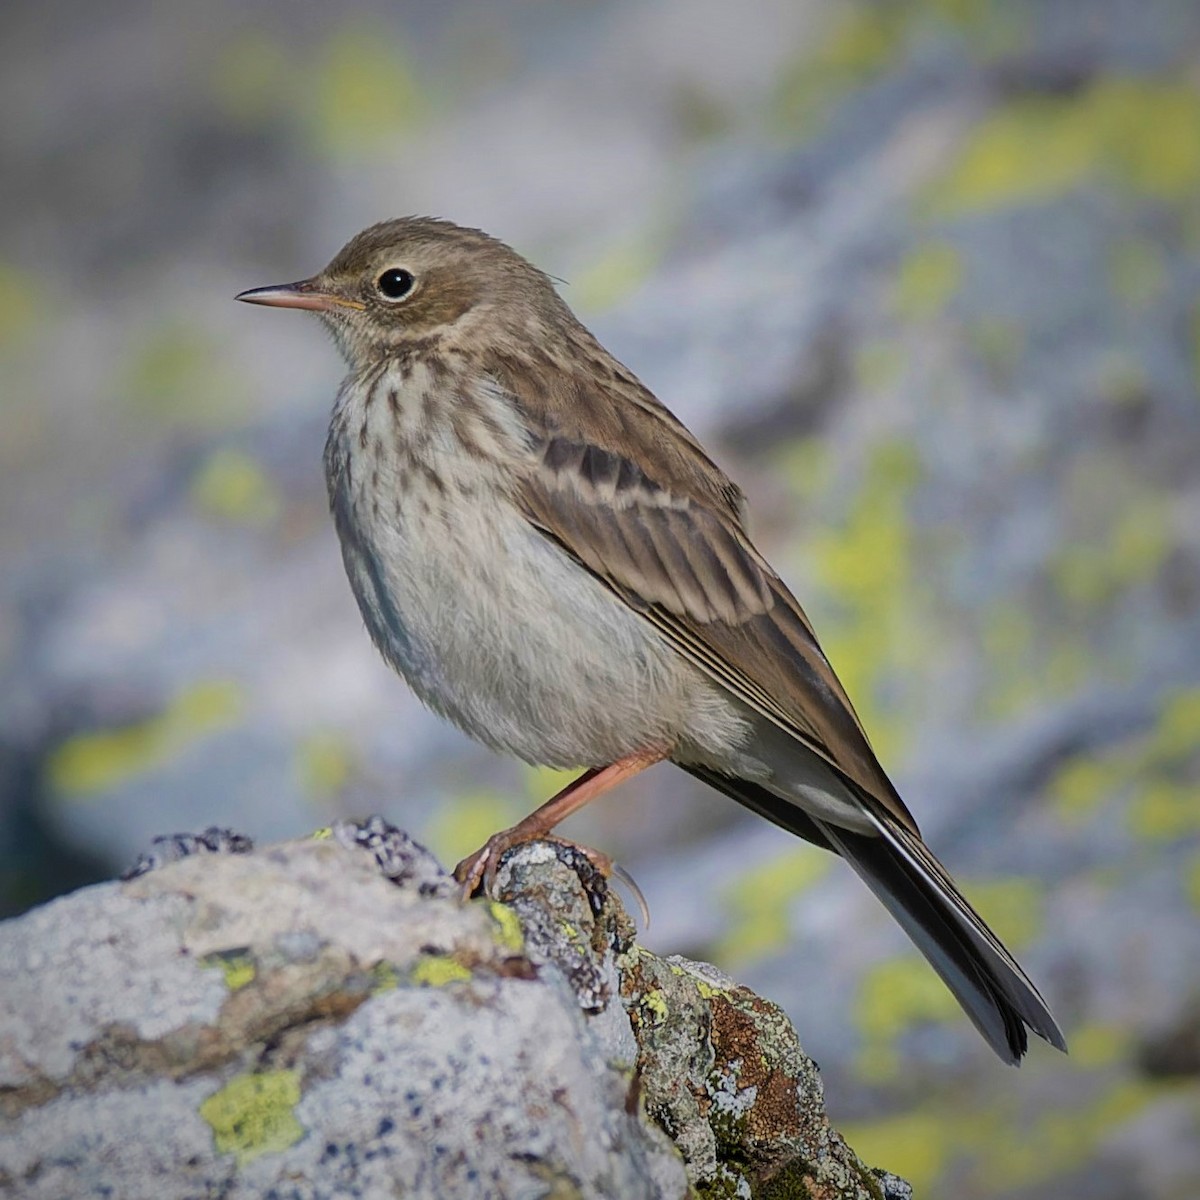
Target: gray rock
309, 1020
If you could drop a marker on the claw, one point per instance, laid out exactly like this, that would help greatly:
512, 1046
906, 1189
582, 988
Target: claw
637, 893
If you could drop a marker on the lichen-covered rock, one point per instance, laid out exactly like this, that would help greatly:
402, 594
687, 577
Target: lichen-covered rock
312, 1020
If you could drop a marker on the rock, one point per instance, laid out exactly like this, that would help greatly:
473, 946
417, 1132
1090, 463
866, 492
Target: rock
312, 1020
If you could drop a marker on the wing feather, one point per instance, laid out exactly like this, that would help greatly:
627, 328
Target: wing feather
639, 504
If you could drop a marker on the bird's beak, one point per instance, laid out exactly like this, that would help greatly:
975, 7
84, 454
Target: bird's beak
305, 294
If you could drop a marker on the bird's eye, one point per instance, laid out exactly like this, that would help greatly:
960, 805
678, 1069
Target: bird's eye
395, 283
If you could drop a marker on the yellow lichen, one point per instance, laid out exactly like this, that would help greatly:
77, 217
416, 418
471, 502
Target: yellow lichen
384, 978
437, 970
237, 968
252, 1114
510, 935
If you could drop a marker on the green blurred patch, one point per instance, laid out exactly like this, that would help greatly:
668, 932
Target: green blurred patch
860, 42
21, 300
1012, 907
173, 375
877, 628
699, 114
927, 280
1141, 134
364, 91
1016, 1155
893, 997
1096, 1045
543, 782
463, 823
1193, 882
1164, 809
803, 465
1196, 345
325, 762
253, 1115
231, 485
758, 902
1138, 271
617, 273
1008, 632
863, 39
999, 343
1162, 769
1082, 785
878, 363
94, 762
1004, 1151
918, 1146
253, 80
1154, 772
1120, 538
1175, 734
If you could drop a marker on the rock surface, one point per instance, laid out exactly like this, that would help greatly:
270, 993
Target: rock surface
324, 1018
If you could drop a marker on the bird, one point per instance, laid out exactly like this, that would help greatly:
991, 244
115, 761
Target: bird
553, 562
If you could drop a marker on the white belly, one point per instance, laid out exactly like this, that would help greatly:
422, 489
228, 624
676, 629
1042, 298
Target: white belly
498, 630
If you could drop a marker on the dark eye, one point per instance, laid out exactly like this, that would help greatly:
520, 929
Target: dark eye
395, 283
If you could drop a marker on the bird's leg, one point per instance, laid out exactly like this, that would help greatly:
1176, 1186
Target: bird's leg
480, 867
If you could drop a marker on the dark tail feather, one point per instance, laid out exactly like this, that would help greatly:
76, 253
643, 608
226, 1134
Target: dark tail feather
914, 887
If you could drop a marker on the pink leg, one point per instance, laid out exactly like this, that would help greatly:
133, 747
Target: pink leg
480, 867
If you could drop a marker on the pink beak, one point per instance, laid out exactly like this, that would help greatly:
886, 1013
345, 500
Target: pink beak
304, 294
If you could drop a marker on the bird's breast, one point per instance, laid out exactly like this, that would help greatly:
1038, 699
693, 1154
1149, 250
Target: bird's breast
492, 625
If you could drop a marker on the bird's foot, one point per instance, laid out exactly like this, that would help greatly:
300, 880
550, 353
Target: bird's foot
477, 873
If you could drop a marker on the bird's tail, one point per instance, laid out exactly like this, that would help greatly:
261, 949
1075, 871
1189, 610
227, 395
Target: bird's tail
916, 889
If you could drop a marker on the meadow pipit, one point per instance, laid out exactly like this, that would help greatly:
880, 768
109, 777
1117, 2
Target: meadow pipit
553, 562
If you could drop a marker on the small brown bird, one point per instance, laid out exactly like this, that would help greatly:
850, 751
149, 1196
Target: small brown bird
553, 562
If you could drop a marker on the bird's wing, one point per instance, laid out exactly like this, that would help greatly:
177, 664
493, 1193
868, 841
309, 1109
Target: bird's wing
620, 485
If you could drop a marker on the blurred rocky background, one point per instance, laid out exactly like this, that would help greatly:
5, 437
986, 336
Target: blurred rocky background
925, 275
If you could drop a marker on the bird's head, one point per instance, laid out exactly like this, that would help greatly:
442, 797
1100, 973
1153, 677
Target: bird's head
414, 279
